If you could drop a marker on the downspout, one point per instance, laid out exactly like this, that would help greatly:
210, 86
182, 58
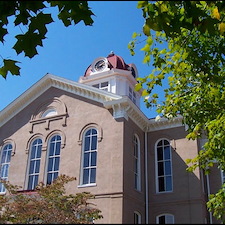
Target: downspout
146, 178
208, 187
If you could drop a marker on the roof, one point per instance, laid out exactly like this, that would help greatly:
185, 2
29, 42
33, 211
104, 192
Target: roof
114, 62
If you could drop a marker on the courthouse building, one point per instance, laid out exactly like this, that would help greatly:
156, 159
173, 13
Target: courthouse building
93, 129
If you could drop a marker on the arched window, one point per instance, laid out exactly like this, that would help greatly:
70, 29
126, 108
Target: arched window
163, 166
49, 112
137, 218
89, 157
53, 158
137, 167
34, 163
5, 162
165, 219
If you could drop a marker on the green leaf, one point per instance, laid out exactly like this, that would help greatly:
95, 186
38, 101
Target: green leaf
138, 87
9, 66
144, 93
39, 23
27, 43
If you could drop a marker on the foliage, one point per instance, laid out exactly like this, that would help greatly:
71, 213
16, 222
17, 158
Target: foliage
30, 14
47, 205
184, 42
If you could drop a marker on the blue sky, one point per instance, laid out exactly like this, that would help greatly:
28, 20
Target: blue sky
68, 51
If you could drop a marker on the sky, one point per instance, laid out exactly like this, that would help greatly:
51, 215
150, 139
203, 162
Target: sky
68, 51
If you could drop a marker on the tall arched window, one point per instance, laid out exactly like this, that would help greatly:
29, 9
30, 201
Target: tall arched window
137, 218
34, 163
165, 219
89, 157
137, 167
163, 166
5, 162
53, 158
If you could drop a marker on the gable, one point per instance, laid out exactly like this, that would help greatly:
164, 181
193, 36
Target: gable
46, 83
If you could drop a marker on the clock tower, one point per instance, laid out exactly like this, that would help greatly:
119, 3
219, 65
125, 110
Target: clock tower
112, 74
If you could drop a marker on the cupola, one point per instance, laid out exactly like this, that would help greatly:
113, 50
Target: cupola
113, 74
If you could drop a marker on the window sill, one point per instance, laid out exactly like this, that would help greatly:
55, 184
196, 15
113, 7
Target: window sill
87, 185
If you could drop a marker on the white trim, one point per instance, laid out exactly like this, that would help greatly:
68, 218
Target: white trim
156, 167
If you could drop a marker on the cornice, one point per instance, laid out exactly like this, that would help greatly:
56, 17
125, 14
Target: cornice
124, 107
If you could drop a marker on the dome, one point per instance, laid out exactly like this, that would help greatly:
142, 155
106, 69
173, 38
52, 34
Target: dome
114, 61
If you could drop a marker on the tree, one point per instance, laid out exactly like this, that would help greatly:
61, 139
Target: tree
30, 14
184, 42
47, 204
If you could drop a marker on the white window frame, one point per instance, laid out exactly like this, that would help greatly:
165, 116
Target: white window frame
54, 172
36, 160
137, 163
101, 87
169, 218
164, 161
89, 153
5, 163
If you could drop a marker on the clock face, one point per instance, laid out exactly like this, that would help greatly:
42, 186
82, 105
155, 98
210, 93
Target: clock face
100, 65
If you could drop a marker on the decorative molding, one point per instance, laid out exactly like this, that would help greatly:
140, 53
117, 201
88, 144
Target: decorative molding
47, 120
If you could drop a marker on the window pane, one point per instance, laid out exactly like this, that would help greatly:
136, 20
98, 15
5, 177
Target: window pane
169, 219
57, 151
94, 142
159, 153
31, 170
160, 143
55, 175
167, 168
162, 220
86, 159
56, 166
168, 183
166, 152
51, 150
8, 157
161, 184
105, 84
160, 169
166, 142
88, 132
49, 178
94, 131
93, 158
33, 151
50, 164
93, 175
96, 85
4, 171
135, 165
30, 181
39, 151
85, 176
87, 144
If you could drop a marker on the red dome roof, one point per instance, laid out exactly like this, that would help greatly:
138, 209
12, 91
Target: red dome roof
115, 61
